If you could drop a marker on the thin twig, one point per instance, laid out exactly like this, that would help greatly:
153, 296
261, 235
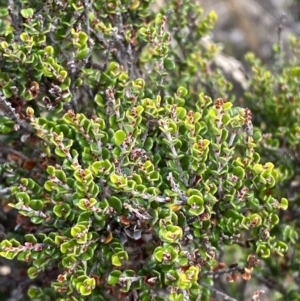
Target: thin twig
107, 44
10, 112
279, 35
9, 150
93, 269
222, 272
100, 38
242, 289
225, 296
87, 6
5, 191
271, 284
15, 18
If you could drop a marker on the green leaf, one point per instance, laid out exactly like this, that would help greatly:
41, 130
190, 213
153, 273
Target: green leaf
35, 292
113, 277
148, 145
3, 12
139, 83
4, 44
37, 219
83, 37
33, 272
87, 204
83, 53
37, 204
61, 175
23, 197
119, 137
274, 219
30, 238
87, 286
167, 254
65, 247
176, 297
181, 113
62, 210
295, 71
239, 172
170, 234
182, 259
283, 204
227, 106
195, 290
119, 258
149, 167
77, 230
27, 13
69, 261
255, 220
169, 64
281, 248
263, 250
196, 204
60, 153
154, 176
114, 178
104, 166
116, 203
182, 92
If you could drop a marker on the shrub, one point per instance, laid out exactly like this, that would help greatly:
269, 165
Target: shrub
142, 181
273, 98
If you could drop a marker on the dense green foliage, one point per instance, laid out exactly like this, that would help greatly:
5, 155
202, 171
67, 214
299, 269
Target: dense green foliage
134, 174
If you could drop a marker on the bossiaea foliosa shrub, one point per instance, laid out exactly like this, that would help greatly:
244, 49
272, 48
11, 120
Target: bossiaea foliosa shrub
146, 202
145, 183
274, 101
